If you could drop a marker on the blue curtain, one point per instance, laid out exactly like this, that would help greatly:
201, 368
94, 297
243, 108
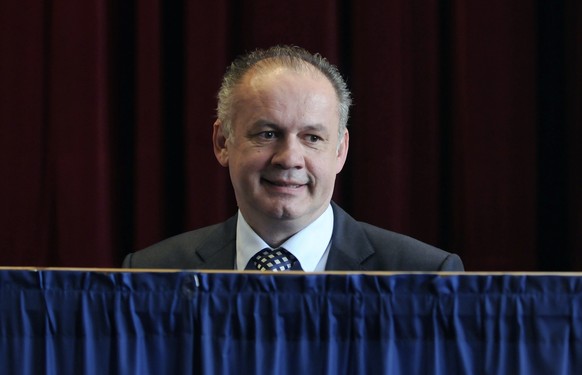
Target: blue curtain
98, 322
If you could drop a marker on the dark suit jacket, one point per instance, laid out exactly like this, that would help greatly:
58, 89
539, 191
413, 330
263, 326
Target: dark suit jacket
355, 246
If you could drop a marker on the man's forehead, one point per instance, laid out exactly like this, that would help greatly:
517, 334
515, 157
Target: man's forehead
273, 96
273, 66
282, 85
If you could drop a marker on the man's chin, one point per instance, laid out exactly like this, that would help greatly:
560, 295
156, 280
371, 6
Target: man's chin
286, 211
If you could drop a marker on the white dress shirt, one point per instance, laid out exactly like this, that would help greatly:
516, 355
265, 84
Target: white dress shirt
310, 245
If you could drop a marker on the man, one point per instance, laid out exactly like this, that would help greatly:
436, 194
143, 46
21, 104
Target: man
281, 132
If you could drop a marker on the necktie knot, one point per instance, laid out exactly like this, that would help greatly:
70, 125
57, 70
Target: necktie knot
273, 260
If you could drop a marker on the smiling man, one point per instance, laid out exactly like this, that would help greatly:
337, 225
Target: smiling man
282, 133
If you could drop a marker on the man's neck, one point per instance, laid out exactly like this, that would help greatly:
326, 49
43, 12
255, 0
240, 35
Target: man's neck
276, 231
276, 234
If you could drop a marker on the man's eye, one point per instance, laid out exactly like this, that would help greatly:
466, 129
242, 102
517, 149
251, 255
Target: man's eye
313, 138
268, 134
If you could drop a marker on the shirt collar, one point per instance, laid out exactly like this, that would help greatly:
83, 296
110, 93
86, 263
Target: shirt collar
308, 245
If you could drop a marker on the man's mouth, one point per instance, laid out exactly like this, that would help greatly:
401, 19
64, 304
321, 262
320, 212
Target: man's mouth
285, 184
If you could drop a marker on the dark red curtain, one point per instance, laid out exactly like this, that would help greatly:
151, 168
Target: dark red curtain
465, 133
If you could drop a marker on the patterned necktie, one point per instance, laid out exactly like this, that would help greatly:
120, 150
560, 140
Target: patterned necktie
274, 260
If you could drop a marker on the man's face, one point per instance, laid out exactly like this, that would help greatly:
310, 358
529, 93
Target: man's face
284, 153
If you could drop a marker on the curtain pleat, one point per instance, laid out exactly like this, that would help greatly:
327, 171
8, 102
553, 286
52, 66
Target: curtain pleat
57, 322
465, 131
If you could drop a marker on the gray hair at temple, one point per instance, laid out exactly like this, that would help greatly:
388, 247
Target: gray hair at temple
288, 56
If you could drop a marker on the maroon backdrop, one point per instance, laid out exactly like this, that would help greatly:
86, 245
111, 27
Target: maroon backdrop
465, 133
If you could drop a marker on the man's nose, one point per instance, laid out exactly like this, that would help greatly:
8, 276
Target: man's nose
289, 153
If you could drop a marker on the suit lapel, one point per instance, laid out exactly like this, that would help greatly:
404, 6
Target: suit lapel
349, 245
219, 249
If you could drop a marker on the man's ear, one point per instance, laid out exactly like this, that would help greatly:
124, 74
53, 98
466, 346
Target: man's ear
342, 151
219, 144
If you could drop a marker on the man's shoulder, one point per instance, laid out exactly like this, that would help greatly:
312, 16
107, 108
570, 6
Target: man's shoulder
183, 250
380, 238
408, 253
184, 241
386, 250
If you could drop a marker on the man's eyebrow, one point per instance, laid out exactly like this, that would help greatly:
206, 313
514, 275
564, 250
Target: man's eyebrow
315, 127
262, 123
